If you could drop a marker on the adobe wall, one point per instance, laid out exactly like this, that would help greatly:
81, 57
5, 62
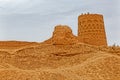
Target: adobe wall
91, 29
62, 35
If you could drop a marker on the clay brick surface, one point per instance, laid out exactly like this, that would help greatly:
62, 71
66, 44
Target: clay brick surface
91, 29
62, 35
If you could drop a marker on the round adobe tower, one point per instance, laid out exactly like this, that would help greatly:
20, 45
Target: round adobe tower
91, 29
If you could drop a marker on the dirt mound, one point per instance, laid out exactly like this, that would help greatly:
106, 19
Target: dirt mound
51, 56
99, 67
60, 62
4, 56
29, 75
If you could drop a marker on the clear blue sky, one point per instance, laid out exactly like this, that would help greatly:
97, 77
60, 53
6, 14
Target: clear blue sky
34, 20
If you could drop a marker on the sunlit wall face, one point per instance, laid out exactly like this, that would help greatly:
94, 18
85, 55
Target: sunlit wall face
34, 20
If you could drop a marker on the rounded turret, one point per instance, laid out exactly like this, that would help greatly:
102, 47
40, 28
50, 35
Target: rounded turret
91, 29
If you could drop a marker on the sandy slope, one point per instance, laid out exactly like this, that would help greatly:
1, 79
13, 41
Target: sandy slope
59, 62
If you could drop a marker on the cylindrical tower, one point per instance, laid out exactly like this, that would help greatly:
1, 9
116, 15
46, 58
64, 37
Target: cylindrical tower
91, 29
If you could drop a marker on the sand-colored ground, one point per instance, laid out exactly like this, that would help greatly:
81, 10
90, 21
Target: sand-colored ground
39, 61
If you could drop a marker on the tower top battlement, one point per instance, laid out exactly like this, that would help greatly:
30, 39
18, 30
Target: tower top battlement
88, 15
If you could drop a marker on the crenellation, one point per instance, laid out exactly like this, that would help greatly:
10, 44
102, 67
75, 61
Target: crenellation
91, 17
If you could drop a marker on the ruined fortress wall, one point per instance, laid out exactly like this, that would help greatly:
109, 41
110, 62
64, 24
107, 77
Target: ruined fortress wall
91, 29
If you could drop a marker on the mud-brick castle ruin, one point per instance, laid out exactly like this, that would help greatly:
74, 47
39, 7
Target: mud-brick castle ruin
91, 31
